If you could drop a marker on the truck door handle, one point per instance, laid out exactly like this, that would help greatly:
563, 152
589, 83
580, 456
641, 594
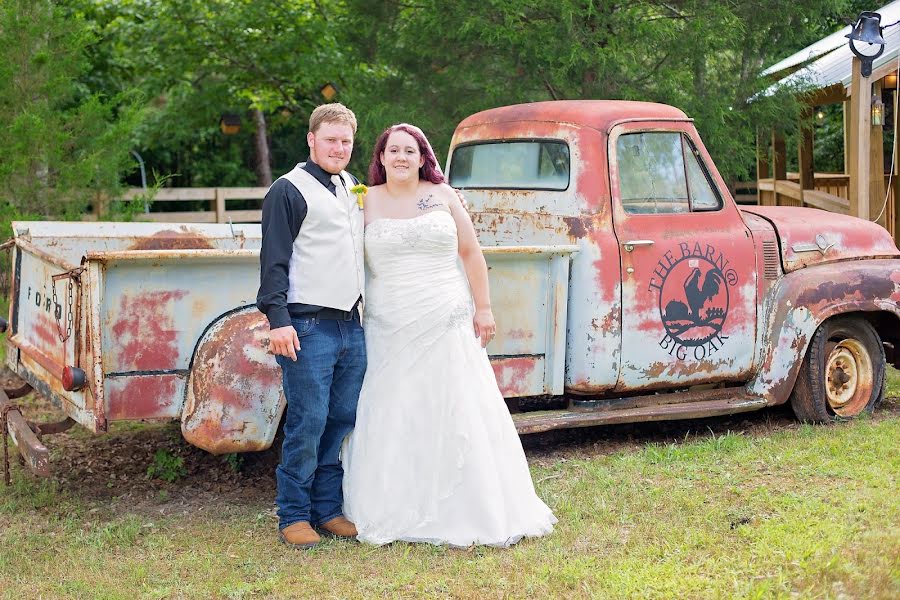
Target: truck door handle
632, 244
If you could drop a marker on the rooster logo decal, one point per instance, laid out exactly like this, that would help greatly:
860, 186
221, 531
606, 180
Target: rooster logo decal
693, 301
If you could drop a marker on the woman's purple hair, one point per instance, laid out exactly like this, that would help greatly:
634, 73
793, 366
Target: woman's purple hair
429, 171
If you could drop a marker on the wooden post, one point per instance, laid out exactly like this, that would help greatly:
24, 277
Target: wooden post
779, 160
860, 141
845, 113
876, 169
805, 153
762, 167
100, 206
893, 215
220, 205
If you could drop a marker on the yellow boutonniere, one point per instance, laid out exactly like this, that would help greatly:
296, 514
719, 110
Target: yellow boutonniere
360, 190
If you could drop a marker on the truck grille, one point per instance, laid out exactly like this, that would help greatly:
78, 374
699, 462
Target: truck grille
770, 259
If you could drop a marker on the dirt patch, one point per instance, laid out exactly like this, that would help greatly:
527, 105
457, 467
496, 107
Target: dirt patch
109, 472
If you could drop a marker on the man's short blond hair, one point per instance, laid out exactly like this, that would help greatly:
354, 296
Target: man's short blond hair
332, 113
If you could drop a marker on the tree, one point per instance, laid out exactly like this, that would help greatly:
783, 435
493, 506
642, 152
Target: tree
447, 60
61, 144
264, 60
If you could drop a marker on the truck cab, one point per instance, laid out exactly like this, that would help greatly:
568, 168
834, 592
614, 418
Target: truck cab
673, 288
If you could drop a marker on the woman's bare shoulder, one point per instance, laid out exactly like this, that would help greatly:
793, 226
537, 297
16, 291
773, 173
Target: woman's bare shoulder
440, 190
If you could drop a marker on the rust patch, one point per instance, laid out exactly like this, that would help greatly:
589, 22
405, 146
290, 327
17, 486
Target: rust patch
173, 240
513, 374
576, 227
520, 334
46, 333
142, 397
829, 291
235, 387
145, 334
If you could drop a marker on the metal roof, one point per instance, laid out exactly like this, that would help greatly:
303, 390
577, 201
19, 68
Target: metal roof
835, 58
889, 13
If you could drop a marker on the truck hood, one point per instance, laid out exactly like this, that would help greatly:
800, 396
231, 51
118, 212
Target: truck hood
809, 236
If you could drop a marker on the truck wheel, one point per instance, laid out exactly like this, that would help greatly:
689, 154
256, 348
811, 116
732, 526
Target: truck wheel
842, 375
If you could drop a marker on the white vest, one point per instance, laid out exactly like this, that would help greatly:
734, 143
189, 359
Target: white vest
326, 267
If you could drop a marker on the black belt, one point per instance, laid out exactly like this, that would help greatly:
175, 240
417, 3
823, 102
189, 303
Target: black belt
336, 314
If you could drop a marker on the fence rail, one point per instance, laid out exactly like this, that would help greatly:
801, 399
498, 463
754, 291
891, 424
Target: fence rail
826, 187
217, 212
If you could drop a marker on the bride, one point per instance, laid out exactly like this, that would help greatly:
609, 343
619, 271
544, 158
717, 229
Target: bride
435, 456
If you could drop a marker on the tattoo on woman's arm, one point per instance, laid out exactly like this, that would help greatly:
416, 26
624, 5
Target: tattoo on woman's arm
428, 202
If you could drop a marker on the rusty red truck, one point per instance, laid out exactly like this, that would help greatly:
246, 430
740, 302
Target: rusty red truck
627, 286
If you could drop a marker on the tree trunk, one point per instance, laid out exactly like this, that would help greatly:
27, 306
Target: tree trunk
263, 164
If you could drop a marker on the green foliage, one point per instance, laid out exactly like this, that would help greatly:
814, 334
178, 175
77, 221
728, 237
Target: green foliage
198, 59
166, 466
443, 61
428, 62
234, 461
62, 144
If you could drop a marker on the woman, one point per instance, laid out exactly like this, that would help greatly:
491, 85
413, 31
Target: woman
435, 456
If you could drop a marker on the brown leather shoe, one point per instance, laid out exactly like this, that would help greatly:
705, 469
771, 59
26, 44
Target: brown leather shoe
300, 535
340, 527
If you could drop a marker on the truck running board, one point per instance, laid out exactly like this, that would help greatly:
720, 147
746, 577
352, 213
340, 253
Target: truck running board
546, 420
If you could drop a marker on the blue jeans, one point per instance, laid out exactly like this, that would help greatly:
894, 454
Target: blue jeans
321, 389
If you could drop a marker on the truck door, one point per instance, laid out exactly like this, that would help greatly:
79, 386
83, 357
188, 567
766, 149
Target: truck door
687, 262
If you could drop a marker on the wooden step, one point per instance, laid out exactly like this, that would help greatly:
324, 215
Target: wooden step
546, 420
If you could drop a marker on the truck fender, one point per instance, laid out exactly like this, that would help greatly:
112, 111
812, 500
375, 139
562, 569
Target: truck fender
233, 398
803, 300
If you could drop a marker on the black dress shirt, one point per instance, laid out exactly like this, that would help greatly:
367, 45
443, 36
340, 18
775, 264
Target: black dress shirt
284, 210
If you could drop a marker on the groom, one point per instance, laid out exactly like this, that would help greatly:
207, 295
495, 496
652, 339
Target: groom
311, 285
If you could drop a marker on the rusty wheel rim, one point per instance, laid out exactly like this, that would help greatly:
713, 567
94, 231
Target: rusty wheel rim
848, 378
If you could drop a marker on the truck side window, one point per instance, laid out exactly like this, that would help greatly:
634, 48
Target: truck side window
703, 194
530, 165
660, 173
651, 173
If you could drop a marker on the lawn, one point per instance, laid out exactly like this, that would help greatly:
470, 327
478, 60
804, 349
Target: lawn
754, 506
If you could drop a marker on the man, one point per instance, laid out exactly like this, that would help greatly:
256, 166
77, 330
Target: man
311, 286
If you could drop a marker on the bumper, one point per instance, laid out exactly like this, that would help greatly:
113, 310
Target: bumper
33, 452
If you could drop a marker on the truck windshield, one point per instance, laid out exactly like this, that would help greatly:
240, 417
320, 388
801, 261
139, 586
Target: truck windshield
530, 165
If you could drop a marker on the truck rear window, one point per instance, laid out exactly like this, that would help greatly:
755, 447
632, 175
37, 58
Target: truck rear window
529, 165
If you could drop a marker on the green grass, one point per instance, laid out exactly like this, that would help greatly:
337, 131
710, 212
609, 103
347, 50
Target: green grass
810, 512
893, 382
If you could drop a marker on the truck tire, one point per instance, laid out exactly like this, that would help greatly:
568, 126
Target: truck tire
843, 373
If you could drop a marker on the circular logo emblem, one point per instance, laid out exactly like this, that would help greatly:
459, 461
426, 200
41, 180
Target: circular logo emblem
693, 300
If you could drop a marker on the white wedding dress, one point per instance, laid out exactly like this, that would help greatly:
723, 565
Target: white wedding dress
435, 456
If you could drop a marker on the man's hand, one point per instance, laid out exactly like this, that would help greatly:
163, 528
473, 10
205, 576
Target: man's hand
284, 341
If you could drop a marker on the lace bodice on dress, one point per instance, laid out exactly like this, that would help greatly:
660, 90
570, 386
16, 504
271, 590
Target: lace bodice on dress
394, 246
413, 266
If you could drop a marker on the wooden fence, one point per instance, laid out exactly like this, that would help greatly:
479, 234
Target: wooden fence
218, 199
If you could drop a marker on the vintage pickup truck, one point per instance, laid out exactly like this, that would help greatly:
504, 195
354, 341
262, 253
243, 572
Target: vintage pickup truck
626, 283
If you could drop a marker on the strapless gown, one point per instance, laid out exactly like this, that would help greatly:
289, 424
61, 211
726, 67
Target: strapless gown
435, 456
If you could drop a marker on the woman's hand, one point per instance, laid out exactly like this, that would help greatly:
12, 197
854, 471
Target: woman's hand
485, 328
